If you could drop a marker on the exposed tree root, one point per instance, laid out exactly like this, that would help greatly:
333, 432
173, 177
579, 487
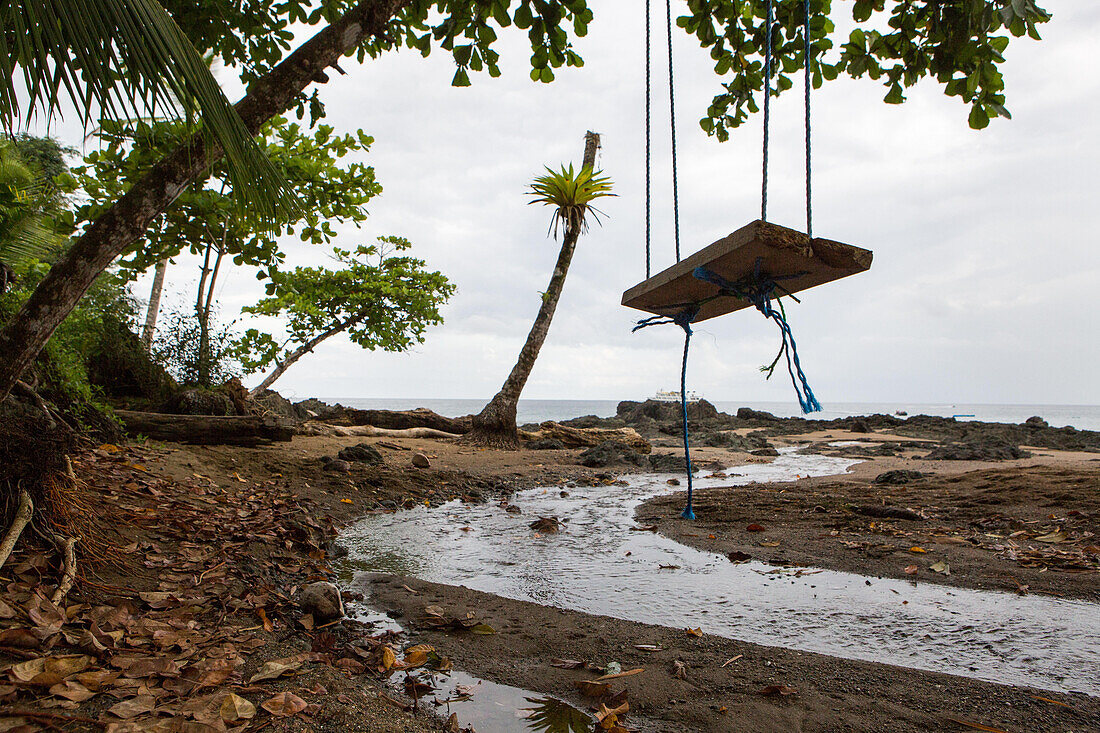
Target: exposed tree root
69, 573
22, 517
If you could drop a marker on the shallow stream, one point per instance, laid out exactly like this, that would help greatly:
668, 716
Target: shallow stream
599, 564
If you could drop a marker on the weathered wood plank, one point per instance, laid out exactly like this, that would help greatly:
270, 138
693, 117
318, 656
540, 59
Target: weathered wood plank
783, 252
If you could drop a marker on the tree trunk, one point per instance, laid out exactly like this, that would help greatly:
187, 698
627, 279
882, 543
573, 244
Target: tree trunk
125, 222
206, 359
154, 305
207, 429
308, 346
496, 424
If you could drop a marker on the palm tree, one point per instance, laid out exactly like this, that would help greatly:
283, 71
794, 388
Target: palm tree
121, 59
24, 233
572, 195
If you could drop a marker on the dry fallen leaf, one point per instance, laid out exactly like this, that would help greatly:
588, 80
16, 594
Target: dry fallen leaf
754, 528
133, 707
940, 567
592, 689
235, 708
771, 690
694, 632
276, 668
1055, 537
566, 663
917, 549
911, 569
284, 704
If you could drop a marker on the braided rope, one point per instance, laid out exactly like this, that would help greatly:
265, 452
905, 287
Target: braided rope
648, 139
672, 121
767, 109
809, 177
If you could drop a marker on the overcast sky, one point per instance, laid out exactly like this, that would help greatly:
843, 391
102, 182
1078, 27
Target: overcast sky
984, 284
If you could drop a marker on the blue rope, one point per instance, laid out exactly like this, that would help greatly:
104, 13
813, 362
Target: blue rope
759, 289
682, 319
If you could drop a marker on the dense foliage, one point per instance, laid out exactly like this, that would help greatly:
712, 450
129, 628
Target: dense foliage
380, 299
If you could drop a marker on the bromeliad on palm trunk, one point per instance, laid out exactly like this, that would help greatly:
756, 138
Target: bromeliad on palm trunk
571, 193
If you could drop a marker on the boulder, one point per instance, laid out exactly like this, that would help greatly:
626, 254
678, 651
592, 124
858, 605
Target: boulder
633, 412
313, 407
361, 453
336, 465
322, 600
545, 444
898, 477
747, 413
1036, 422
859, 425
420, 460
196, 401
270, 401
768, 452
611, 453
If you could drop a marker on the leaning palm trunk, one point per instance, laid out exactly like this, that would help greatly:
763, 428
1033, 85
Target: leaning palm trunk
496, 424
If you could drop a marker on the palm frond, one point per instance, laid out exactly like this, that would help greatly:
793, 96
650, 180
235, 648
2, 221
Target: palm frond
120, 59
572, 194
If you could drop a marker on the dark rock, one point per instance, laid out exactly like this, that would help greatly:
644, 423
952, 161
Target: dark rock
747, 413
611, 453
513, 509
897, 478
631, 412
196, 401
733, 441
336, 465
322, 600
859, 426
313, 407
1036, 422
420, 460
273, 402
886, 512
667, 463
769, 452
545, 444
990, 449
362, 453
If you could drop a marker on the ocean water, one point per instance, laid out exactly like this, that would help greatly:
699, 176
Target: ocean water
1082, 417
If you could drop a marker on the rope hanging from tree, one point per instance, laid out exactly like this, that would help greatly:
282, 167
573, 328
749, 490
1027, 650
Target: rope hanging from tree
759, 288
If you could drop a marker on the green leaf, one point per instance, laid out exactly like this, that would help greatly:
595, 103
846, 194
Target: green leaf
979, 120
461, 78
123, 59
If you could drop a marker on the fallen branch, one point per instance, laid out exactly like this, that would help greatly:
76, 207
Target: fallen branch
69, 572
22, 517
373, 432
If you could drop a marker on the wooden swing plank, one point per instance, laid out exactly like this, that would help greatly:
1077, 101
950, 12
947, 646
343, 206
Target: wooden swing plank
784, 252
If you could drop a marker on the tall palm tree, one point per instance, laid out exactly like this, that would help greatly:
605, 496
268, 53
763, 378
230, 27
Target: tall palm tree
121, 59
572, 195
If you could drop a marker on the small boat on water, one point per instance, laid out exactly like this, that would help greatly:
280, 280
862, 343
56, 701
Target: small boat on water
667, 396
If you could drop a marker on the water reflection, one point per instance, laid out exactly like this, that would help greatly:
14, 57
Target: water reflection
554, 716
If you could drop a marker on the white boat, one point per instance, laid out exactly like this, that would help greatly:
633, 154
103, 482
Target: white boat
666, 396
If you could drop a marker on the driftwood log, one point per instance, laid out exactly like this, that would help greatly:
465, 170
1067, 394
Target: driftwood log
207, 429
421, 417
587, 437
318, 428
